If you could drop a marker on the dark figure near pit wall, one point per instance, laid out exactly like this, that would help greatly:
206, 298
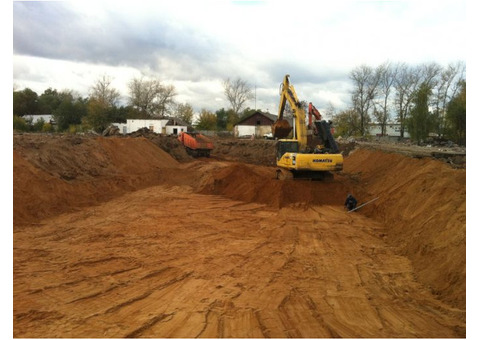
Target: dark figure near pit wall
350, 202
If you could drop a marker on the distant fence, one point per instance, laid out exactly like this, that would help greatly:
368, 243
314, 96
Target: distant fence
211, 133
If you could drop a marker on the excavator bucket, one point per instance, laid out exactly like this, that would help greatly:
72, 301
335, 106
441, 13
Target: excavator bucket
281, 128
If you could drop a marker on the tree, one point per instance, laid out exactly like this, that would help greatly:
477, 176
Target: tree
420, 121
101, 107
237, 93
166, 99
97, 115
48, 101
347, 123
207, 120
104, 93
25, 102
449, 83
19, 124
222, 119
330, 111
150, 97
365, 80
387, 74
406, 83
70, 111
429, 74
456, 117
184, 112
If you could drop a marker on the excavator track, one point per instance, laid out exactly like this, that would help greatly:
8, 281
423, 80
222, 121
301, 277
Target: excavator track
284, 175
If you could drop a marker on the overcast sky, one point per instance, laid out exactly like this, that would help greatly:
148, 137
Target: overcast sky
194, 45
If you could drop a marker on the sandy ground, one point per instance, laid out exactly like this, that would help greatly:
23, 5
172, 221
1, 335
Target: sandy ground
135, 244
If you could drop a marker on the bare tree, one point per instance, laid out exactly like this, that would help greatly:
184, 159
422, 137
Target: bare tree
446, 89
165, 99
104, 93
330, 111
365, 81
185, 113
150, 96
406, 83
429, 74
237, 93
387, 74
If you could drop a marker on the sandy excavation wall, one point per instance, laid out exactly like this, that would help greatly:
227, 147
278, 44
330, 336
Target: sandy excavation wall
422, 201
52, 175
258, 184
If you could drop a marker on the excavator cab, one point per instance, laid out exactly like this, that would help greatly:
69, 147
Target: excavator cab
284, 146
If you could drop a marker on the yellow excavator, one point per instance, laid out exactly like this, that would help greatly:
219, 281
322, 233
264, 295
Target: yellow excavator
311, 152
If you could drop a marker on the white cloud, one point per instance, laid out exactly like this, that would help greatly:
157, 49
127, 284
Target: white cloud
196, 44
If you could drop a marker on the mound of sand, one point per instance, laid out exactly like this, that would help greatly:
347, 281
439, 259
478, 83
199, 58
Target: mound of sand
53, 175
260, 152
259, 184
169, 144
422, 203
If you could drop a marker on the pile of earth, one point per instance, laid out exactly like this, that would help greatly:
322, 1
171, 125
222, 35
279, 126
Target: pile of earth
258, 184
169, 144
53, 174
253, 151
422, 202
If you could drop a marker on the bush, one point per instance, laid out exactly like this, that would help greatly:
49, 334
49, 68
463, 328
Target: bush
72, 129
47, 127
19, 124
38, 126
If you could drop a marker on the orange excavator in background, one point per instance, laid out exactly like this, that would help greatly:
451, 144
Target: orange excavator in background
318, 129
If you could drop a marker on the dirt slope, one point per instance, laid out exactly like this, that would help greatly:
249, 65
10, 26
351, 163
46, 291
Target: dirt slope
59, 173
422, 203
114, 238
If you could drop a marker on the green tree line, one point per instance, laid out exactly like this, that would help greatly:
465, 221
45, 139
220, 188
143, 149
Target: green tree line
147, 98
72, 112
423, 99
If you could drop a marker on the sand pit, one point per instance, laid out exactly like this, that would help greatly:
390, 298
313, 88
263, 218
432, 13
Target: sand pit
113, 238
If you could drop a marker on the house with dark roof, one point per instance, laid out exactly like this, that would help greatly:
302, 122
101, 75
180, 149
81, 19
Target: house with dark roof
257, 124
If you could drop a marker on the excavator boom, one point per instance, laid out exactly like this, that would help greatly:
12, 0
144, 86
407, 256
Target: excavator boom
312, 111
281, 128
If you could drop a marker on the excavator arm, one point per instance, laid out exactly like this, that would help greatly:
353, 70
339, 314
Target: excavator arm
281, 128
312, 111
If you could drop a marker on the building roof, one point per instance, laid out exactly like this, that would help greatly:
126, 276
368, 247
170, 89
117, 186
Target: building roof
269, 116
175, 121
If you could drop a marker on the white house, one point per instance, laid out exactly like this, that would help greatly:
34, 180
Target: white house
392, 130
166, 126
36, 118
257, 124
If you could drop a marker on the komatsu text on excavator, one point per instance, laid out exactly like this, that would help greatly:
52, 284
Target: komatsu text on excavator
311, 153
